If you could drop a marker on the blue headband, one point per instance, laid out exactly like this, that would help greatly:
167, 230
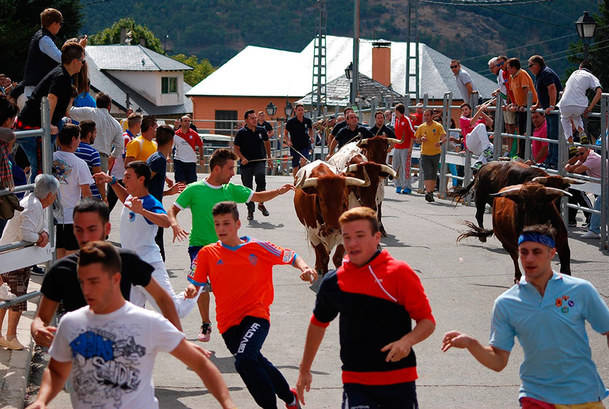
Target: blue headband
536, 237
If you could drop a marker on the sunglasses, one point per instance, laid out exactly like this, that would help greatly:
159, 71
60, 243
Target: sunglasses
453, 66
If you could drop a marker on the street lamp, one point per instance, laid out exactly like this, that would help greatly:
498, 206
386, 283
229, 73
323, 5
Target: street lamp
271, 109
349, 74
288, 109
348, 70
585, 30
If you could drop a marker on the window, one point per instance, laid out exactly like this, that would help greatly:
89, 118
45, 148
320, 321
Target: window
225, 121
169, 85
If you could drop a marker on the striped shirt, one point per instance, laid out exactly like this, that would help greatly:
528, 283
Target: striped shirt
88, 153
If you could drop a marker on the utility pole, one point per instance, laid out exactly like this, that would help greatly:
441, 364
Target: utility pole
318, 88
355, 72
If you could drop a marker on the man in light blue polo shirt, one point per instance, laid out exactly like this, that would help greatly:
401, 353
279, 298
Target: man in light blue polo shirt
547, 312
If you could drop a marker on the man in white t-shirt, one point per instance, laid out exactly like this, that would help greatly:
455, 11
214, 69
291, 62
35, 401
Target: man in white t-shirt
140, 219
110, 345
74, 179
574, 102
116, 165
185, 156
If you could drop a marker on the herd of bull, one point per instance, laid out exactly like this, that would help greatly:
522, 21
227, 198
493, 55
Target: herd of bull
520, 196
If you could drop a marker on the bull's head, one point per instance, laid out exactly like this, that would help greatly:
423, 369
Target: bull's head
556, 181
332, 195
367, 195
535, 202
376, 148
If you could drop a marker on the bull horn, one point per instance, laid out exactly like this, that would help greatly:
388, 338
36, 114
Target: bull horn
309, 182
362, 142
393, 140
389, 170
572, 181
352, 168
540, 179
557, 192
506, 192
351, 181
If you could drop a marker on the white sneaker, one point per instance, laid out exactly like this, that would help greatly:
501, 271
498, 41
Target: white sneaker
590, 235
5, 293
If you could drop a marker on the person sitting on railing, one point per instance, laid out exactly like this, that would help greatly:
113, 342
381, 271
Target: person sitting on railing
588, 162
27, 225
475, 136
574, 102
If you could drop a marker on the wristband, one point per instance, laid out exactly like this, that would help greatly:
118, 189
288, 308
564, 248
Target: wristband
114, 180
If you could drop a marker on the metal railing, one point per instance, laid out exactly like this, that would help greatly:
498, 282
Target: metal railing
11, 250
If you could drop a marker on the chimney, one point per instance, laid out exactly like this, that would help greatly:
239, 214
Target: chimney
381, 62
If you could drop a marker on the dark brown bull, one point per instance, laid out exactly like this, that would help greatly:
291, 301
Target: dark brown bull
377, 148
319, 200
516, 207
491, 178
372, 195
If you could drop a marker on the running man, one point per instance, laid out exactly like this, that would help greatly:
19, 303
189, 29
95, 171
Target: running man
141, 216
111, 344
374, 294
201, 197
547, 312
243, 311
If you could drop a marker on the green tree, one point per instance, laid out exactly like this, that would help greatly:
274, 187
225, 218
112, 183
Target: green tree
112, 35
20, 19
201, 68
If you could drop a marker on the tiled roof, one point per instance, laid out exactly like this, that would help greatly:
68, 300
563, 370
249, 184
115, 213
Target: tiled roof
132, 58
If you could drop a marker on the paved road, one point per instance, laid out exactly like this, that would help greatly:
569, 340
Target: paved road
461, 281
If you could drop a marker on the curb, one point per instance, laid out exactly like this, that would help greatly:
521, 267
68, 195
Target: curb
15, 365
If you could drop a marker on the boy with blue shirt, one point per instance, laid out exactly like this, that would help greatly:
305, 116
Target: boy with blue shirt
90, 155
547, 311
140, 219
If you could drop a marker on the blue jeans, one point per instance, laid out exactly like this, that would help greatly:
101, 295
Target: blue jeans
552, 123
30, 148
397, 396
595, 219
262, 379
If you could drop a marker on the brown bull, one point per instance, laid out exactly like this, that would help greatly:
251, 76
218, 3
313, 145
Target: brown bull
372, 195
491, 178
320, 198
377, 148
516, 207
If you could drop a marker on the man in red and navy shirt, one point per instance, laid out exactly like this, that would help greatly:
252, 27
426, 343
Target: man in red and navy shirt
376, 296
185, 156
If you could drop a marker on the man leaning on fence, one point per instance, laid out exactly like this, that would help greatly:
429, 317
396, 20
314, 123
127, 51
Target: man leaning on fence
27, 225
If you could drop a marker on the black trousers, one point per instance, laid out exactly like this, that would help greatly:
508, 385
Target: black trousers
251, 171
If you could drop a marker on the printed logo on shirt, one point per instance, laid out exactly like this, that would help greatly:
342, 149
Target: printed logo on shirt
105, 366
61, 171
564, 303
253, 259
220, 262
287, 255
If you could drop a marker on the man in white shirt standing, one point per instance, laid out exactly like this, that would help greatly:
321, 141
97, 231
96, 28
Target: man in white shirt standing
74, 180
110, 345
109, 131
574, 102
185, 157
116, 165
464, 82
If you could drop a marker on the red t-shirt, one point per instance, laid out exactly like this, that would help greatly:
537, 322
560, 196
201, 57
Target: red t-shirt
466, 127
416, 118
191, 137
403, 131
241, 278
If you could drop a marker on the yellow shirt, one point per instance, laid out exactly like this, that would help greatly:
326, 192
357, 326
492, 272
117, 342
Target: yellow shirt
433, 134
141, 148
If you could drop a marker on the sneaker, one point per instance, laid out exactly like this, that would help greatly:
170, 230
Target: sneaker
263, 210
398, 190
296, 404
5, 293
429, 197
583, 138
406, 191
590, 235
205, 334
37, 271
250, 215
13, 344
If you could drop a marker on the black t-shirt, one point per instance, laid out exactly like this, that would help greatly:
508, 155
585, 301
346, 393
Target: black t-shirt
251, 143
299, 132
338, 127
57, 82
268, 127
346, 135
158, 164
61, 284
384, 130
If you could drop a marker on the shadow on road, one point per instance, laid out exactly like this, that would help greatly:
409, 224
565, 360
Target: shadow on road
168, 397
254, 224
391, 241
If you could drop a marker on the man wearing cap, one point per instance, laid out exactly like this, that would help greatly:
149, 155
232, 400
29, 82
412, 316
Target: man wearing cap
547, 311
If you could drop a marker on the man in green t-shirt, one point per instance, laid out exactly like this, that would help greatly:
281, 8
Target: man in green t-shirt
201, 197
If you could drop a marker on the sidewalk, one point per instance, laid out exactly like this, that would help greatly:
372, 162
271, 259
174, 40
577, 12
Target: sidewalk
15, 365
